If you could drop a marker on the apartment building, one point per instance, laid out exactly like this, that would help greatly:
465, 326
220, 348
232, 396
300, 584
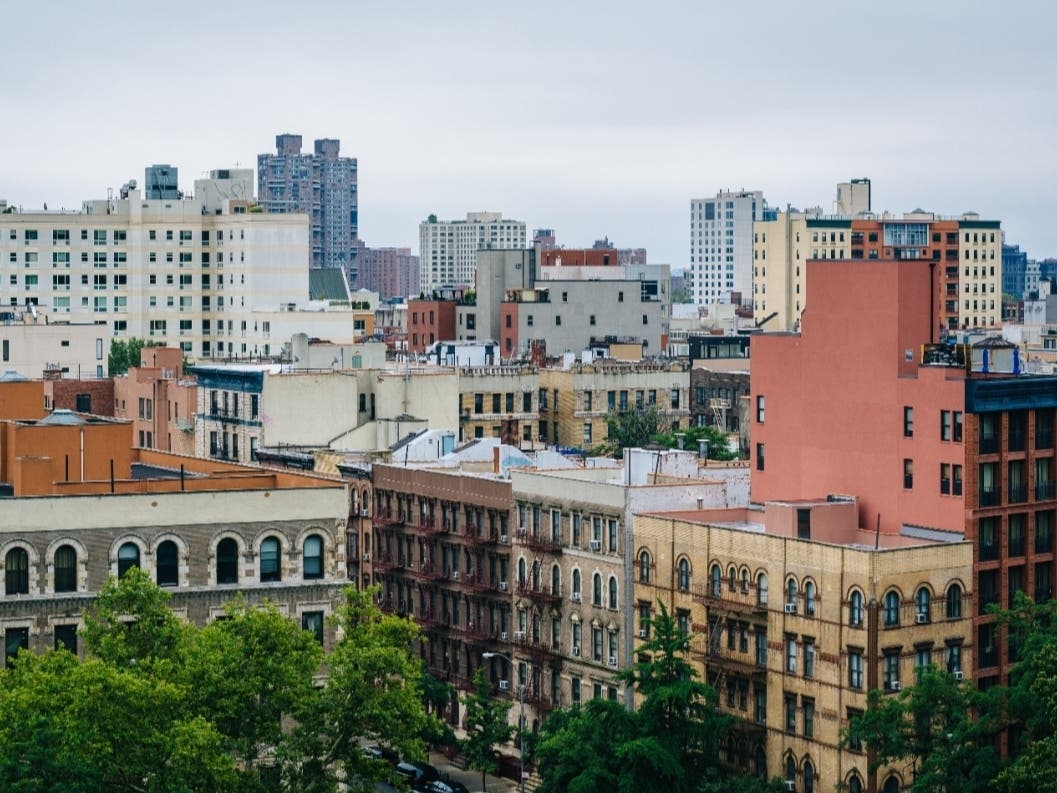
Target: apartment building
500, 402
719, 387
35, 346
391, 272
953, 438
447, 253
85, 506
962, 256
440, 552
159, 400
851, 611
322, 185
721, 245
575, 400
179, 271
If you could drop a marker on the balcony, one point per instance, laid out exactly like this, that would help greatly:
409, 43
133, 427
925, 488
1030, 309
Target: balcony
536, 650
429, 525
539, 594
479, 583
1044, 491
430, 572
384, 518
538, 542
733, 600
386, 561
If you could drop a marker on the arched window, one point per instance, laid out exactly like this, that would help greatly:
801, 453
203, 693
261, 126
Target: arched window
791, 591
556, 580
809, 598
684, 575
613, 592
745, 580
790, 769
855, 609
127, 558
16, 566
576, 584
761, 589
522, 572
891, 785
854, 784
809, 777
644, 567
65, 569
732, 578
227, 561
923, 605
270, 560
596, 595
760, 762
715, 576
954, 601
312, 557
891, 609
167, 562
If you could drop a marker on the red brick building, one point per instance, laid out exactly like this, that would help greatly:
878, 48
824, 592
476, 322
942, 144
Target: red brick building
429, 321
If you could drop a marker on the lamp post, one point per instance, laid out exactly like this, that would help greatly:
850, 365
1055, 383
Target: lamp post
521, 717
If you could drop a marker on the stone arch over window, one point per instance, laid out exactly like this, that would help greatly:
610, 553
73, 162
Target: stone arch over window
577, 583
760, 762
126, 553
167, 563
612, 592
16, 570
954, 600
556, 580
891, 608
522, 571
732, 578
312, 556
923, 604
66, 565
892, 785
809, 775
792, 591
855, 784
684, 574
645, 563
790, 768
810, 597
761, 588
270, 556
596, 589
227, 550
715, 578
856, 603
745, 580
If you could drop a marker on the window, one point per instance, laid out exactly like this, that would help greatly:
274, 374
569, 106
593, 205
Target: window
227, 561
809, 727
760, 709
684, 575
891, 609
15, 639
16, 567
855, 609
596, 594
127, 558
1015, 533
312, 621
1043, 532
809, 768
65, 569
855, 669
890, 665
576, 584
759, 409
761, 646
790, 713
809, 598
612, 592
167, 560
715, 577
790, 653
809, 657
854, 741
953, 658
791, 594
644, 567
954, 602
612, 526
908, 474
66, 638
312, 558
923, 605
761, 589
987, 538
945, 425
908, 422
760, 456
596, 643
270, 560
945, 479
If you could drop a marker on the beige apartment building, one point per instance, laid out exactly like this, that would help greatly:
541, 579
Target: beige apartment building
499, 402
575, 400
794, 615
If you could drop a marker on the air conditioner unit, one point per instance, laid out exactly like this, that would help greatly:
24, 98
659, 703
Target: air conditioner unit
519, 636
596, 545
576, 651
575, 597
642, 633
504, 538
959, 674
895, 685
455, 575
922, 619
367, 557
790, 785
612, 660
790, 608
365, 513
503, 636
504, 685
503, 586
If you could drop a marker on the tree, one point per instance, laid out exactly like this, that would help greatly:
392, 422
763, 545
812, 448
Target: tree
126, 354
91, 726
486, 727
718, 441
577, 749
633, 427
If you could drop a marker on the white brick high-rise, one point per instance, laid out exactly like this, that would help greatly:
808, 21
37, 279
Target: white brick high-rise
721, 246
448, 248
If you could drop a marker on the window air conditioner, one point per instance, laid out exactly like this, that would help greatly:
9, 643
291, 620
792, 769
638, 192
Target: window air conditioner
612, 660
503, 636
367, 557
576, 652
959, 674
790, 608
504, 538
503, 586
504, 685
922, 619
596, 545
895, 685
519, 636
455, 575
642, 633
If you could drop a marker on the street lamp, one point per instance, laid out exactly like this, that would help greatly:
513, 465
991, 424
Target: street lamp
521, 715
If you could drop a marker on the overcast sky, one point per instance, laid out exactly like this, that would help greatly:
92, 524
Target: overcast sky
594, 118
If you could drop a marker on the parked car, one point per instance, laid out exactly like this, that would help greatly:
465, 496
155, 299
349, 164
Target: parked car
447, 786
418, 775
383, 753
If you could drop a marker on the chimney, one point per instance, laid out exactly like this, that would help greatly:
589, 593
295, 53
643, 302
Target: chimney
495, 461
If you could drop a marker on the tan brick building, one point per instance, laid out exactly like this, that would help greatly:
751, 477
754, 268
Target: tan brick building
500, 402
794, 615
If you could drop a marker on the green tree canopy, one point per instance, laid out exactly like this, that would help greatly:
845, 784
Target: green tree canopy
636, 427
126, 354
486, 727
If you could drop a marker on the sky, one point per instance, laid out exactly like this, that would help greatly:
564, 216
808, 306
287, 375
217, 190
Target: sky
592, 118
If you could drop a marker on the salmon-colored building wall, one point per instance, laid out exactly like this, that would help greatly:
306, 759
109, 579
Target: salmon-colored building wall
159, 380
582, 257
833, 398
77, 452
22, 401
508, 335
429, 321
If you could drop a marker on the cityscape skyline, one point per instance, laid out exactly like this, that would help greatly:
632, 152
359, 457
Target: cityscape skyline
588, 122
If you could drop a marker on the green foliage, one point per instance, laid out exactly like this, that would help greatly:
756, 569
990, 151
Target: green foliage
486, 727
160, 705
126, 354
638, 427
